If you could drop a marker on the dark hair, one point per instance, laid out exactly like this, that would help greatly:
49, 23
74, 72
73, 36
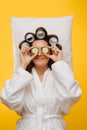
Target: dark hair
48, 38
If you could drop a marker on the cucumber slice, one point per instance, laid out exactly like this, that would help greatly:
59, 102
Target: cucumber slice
45, 50
34, 50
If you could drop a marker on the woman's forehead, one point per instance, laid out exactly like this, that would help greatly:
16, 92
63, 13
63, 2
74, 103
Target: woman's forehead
39, 43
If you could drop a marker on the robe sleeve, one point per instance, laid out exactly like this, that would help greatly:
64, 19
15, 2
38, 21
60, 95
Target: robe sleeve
13, 91
67, 87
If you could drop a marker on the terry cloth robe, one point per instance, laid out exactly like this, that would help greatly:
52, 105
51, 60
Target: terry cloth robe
42, 104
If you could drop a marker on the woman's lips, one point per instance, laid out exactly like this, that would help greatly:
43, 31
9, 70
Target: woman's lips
39, 58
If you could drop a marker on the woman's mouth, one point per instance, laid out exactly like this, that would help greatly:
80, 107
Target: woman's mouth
39, 58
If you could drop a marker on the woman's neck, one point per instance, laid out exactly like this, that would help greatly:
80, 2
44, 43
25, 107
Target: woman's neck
40, 71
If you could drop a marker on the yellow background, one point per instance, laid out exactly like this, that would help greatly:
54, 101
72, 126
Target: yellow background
77, 119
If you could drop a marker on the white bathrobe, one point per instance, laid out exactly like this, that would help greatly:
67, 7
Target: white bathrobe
42, 104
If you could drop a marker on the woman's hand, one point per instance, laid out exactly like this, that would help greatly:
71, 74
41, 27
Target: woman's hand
25, 56
56, 54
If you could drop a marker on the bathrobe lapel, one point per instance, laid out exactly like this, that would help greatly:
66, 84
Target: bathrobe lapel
40, 86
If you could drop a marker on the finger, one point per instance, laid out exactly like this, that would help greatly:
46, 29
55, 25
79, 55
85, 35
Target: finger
25, 50
33, 56
56, 50
21, 54
53, 48
48, 47
22, 51
31, 47
47, 55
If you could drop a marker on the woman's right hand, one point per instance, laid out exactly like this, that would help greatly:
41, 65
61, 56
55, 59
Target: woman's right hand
25, 56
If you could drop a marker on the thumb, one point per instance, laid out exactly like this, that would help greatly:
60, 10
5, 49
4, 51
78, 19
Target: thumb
32, 57
47, 55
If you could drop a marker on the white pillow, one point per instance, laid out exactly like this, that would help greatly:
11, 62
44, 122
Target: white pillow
60, 26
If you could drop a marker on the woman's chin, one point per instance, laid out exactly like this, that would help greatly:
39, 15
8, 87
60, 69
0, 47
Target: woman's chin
41, 62
40, 65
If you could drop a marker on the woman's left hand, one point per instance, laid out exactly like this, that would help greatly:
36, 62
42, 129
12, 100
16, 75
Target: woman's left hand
56, 54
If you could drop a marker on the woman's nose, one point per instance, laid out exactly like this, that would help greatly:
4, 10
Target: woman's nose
40, 52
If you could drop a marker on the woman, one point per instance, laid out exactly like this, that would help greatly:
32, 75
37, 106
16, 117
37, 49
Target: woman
43, 88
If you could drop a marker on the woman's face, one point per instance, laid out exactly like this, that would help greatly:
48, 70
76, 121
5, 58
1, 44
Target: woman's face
40, 60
